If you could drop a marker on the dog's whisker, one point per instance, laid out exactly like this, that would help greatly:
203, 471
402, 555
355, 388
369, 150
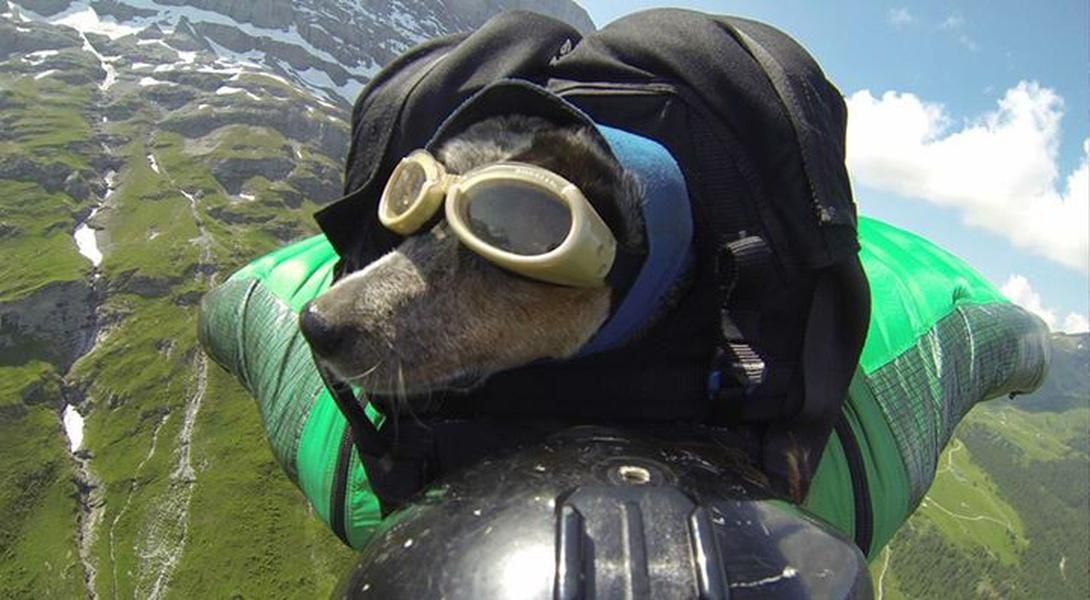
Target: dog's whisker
411, 412
402, 389
399, 400
363, 374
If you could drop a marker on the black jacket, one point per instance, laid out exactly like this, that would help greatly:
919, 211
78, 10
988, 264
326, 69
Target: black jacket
759, 134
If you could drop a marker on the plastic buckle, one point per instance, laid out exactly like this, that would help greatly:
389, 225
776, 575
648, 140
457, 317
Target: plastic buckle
726, 396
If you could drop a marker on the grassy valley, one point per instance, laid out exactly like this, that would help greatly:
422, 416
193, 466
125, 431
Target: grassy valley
37, 499
1007, 514
181, 496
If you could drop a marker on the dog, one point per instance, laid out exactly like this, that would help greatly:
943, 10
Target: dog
432, 315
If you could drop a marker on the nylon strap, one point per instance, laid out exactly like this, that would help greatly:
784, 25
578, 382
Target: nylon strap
365, 435
743, 260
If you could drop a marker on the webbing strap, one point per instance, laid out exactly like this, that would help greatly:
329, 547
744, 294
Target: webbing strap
394, 474
365, 435
793, 108
739, 254
724, 194
743, 260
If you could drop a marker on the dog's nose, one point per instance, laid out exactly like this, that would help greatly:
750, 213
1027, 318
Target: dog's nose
323, 337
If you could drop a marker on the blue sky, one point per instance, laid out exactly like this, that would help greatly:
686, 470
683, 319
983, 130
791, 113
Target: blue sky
970, 125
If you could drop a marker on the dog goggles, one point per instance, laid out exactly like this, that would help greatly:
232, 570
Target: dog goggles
518, 216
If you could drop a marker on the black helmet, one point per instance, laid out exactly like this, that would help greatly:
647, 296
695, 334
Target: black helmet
595, 513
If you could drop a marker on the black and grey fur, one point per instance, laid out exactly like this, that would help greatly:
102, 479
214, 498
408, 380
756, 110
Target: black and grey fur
433, 315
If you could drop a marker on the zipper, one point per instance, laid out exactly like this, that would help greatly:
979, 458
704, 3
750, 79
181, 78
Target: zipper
340, 486
864, 513
590, 88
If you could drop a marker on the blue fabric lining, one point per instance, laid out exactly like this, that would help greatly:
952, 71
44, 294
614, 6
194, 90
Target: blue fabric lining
668, 225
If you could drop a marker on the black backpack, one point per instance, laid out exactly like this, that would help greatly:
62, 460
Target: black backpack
767, 341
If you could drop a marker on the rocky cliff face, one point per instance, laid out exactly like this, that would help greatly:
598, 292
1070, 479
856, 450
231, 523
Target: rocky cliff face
475, 12
55, 324
1067, 385
328, 47
147, 149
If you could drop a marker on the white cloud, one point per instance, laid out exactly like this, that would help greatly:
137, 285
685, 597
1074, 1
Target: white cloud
1019, 291
1076, 323
969, 43
899, 17
999, 170
952, 22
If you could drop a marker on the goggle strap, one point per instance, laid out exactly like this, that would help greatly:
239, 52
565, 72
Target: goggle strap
432, 221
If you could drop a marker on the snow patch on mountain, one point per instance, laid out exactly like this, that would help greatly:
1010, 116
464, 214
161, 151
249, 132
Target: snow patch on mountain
251, 58
106, 63
316, 79
331, 48
36, 58
83, 18
329, 76
146, 81
407, 24
73, 427
226, 89
225, 67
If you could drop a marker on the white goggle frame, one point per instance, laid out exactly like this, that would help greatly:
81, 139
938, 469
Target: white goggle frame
582, 259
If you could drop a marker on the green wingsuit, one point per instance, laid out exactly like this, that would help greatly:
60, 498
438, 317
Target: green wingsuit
941, 339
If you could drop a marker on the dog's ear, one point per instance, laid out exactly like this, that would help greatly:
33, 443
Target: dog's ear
580, 157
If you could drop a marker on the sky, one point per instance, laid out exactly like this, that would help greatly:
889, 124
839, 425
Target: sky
969, 124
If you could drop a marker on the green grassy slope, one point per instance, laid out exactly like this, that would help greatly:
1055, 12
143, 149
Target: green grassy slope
232, 524
192, 503
38, 551
1007, 516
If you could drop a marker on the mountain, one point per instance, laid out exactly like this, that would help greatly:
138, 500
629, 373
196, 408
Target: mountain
329, 48
1007, 516
148, 148
1066, 387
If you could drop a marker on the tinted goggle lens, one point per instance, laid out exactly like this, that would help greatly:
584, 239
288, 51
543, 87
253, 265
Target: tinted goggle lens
516, 217
405, 188
520, 217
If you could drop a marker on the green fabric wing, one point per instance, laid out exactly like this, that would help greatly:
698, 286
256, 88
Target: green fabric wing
941, 338
249, 326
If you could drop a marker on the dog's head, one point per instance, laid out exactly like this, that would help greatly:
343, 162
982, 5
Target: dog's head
432, 314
